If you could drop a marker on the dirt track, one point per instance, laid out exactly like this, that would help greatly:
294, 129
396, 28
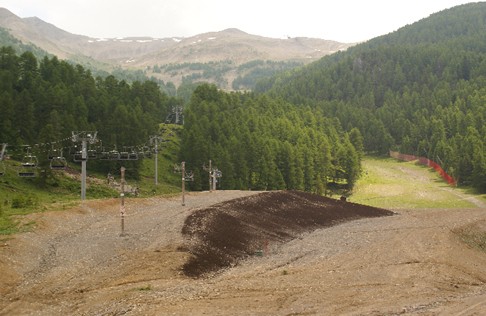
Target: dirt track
75, 263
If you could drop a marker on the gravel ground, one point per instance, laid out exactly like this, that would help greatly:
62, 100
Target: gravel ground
76, 263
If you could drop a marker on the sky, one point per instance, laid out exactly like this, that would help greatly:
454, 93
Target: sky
347, 21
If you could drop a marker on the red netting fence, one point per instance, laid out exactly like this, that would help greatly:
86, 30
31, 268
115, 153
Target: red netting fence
426, 162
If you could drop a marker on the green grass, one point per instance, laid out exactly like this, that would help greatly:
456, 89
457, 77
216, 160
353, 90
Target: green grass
168, 181
389, 183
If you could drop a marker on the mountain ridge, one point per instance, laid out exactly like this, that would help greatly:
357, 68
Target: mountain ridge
144, 53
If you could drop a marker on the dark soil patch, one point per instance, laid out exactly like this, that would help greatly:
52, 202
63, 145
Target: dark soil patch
222, 235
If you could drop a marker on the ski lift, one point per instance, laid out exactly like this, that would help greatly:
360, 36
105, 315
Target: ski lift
29, 161
123, 155
114, 155
133, 156
53, 153
58, 163
92, 154
28, 166
78, 156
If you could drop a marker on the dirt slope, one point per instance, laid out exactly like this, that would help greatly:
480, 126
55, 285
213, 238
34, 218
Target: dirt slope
75, 263
225, 233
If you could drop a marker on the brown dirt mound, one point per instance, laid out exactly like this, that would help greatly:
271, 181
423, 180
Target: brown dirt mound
221, 235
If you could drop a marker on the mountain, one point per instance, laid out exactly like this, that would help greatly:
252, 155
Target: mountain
419, 90
231, 46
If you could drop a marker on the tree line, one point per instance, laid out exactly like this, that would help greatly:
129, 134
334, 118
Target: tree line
262, 143
256, 141
419, 90
44, 101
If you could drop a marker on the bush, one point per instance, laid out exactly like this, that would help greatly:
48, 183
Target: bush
23, 202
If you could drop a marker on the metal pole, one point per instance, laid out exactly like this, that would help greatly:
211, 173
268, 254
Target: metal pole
183, 164
156, 161
2, 153
122, 195
84, 137
84, 157
210, 176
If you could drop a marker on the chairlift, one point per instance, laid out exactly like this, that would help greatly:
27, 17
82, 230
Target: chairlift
133, 156
58, 163
29, 161
53, 153
114, 155
92, 154
27, 174
78, 156
124, 155
28, 166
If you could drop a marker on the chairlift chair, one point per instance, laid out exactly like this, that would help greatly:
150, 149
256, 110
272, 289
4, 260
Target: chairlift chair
124, 155
133, 156
27, 174
92, 154
58, 163
78, 156
28, 166
29, 161
53, 153
114, 155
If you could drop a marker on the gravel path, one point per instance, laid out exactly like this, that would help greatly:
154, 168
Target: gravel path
76, 263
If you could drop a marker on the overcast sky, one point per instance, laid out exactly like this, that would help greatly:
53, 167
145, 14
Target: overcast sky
341, 20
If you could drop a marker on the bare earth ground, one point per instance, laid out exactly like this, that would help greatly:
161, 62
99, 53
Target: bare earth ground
76, 263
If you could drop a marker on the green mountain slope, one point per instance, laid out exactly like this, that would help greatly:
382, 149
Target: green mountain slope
419, 90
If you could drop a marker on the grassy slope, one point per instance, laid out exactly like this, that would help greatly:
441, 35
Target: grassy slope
389, 183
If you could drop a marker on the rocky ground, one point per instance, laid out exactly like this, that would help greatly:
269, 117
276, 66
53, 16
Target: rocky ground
75, 262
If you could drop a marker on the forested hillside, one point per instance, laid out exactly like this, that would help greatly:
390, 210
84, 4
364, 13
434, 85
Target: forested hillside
421, 90
42, 102
255, 141
262, 143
